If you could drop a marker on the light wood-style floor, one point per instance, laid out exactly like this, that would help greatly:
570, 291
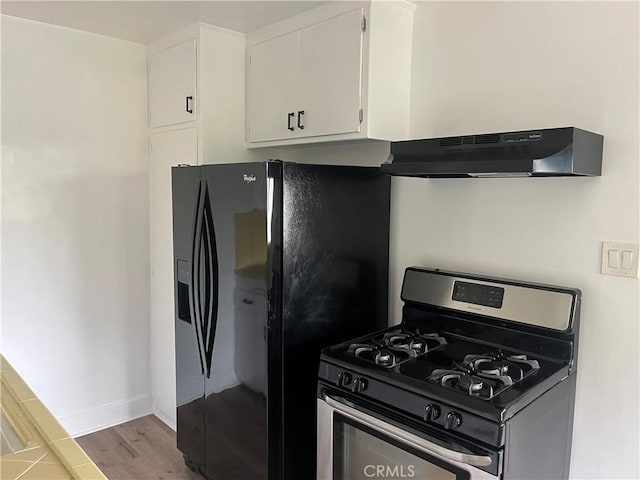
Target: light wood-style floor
142, 449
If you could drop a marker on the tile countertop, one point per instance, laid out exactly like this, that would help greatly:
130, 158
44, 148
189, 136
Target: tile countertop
46, 450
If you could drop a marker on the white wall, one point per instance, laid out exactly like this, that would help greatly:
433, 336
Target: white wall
481, 67
75, 221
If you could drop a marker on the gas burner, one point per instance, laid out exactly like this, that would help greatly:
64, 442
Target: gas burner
470, 383
522, 359
514, 366
485, 375
404, 341
385, 358
463, 381
395, 348
486, 364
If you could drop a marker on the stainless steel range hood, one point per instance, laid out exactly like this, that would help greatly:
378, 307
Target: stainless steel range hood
552, 152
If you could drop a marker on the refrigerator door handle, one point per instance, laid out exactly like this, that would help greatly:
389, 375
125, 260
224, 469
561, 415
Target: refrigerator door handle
196, 303
211, 288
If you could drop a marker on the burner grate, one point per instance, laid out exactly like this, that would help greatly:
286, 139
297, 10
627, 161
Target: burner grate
394, 348
486, 375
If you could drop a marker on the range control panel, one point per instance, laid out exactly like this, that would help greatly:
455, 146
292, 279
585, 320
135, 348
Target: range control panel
488, 296
431, 411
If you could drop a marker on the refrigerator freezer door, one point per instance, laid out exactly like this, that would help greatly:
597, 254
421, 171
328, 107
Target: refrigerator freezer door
236, 332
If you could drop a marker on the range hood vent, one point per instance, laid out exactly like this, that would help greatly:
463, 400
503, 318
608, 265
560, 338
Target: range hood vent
488, 138
552, 152
450, 141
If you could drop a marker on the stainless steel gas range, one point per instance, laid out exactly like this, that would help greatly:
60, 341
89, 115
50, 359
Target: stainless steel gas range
477, 382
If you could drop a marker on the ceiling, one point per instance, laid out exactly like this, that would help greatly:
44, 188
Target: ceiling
143, 21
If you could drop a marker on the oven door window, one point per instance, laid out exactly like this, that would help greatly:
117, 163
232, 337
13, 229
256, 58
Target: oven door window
361, 453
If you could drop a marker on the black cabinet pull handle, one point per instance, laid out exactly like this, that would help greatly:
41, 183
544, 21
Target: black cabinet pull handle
289, 117
246, 301
188, 101
300, 113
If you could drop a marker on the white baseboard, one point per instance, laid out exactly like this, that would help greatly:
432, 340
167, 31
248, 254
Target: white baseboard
165, 419
107, 415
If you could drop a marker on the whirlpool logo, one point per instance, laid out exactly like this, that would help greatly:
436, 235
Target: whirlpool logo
248, 178
389, 471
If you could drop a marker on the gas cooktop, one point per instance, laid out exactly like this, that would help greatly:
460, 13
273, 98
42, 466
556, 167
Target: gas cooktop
446, 363
462, 366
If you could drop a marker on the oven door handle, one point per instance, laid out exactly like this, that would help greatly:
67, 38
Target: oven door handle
406, 437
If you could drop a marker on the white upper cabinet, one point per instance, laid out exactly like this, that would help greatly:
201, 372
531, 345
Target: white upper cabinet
338, 72
330, 76
272, 79
172, 85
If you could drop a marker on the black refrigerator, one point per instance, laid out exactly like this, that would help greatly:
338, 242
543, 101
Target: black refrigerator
273, 261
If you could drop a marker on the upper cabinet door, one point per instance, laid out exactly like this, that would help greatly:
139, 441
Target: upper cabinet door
172, 85
339, 72
272, 89
330, 76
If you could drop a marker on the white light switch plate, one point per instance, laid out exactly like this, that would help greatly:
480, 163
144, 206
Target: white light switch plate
620, 250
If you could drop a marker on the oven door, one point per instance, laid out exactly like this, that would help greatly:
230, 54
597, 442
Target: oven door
354, 445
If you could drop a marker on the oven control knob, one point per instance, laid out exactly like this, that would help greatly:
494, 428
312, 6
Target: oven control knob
452, 421
344, 379
359, 385
431, 413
